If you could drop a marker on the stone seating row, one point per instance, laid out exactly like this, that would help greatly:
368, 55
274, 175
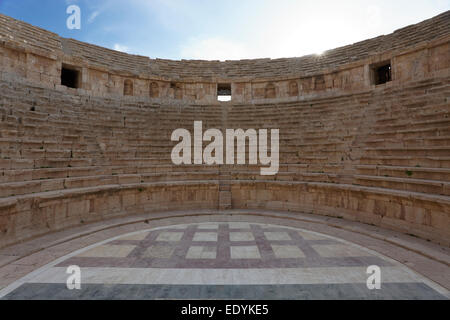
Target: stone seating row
307, 141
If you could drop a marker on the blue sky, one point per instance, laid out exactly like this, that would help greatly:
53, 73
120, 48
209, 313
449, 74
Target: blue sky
226, 29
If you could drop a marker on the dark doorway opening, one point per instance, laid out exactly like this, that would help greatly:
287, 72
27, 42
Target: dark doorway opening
382, 73
70, 77
224, 92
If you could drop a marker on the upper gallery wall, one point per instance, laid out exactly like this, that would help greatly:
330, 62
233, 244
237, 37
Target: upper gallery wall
414, 52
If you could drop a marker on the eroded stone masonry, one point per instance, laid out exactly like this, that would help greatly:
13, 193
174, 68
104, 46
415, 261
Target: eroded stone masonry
364, 132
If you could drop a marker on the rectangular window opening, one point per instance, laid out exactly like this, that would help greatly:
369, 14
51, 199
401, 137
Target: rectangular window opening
224, 92
70, 77
381, 72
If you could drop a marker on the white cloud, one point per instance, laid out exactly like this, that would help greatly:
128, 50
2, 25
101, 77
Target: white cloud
298, 28
93, 16
292, 30
262, 28
374, 17
213, 49
121, 48
171, 14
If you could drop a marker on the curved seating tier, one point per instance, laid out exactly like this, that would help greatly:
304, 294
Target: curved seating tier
380, 157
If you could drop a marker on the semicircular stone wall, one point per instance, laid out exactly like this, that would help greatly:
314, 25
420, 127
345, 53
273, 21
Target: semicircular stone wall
364, 132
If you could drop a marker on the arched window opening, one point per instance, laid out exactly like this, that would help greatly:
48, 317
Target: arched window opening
128, 87
319, 83
293, 89
271, 91
177, 91
154, 90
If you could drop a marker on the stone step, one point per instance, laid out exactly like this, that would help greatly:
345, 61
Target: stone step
438, 174
409, 161
418, 151
406, 184
225, 200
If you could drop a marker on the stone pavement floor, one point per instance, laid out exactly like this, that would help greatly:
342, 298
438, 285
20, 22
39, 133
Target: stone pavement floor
224, 260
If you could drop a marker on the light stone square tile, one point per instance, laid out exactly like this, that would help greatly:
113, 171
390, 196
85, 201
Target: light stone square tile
277, 236
209, 226
159, 251
108, 251
245, 252
136, 237
241, 236
181, 226
205, 236
287, 252
199, 252
310, 236
339, 250
239, 225
170, 236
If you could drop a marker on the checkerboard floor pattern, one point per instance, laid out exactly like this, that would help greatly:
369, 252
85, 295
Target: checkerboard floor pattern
227, 260
225, 245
